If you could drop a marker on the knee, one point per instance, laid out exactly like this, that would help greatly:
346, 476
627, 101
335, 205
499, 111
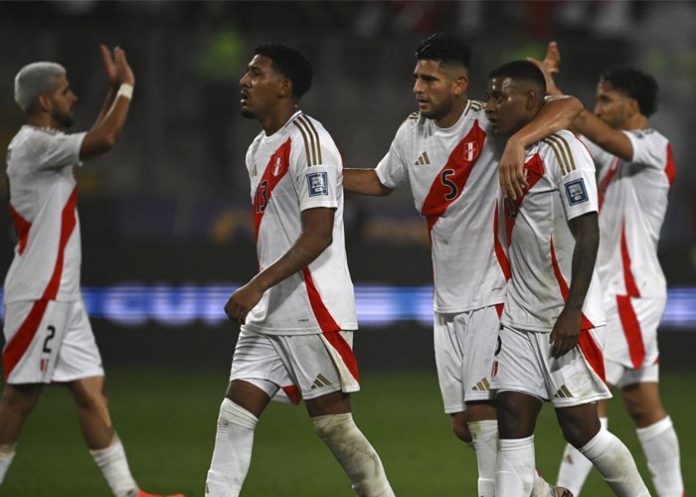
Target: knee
90, 400
578, 433
516, 414
333, 427
644, 413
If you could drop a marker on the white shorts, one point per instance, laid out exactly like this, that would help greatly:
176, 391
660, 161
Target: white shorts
524, 364
48, 341
295, 367
630, 336
621, 376
464, 347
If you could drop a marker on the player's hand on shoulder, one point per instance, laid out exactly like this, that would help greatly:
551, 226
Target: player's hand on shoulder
511, 170
243, 301
566, 331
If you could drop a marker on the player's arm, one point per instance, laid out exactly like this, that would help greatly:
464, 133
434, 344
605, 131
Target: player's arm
556, 114
316, 236
364, 182
566, 331
612, 140
111, 119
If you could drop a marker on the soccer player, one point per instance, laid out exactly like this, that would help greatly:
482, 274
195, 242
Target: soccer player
48, 337
635, 174
446, 155
297, 314
547, 349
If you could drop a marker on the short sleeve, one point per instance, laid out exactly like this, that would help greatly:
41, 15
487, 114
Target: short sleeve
601, 157
391, 170
316, 186
56, 151
574, 174
649, 147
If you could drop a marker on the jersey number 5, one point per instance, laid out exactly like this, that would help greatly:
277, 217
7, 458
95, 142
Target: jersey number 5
446, 181
262, 196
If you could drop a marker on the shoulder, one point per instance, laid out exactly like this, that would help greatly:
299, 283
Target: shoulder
312, 138
565, 149
648, 137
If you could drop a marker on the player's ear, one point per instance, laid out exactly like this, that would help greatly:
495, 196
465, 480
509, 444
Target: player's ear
531, 100
461, 84
43, 103
284, 87
633, 107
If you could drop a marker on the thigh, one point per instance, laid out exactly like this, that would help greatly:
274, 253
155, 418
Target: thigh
518, 365
448, 360
34, 333
79, 355
257, 362
630, 337
480, 341
320, 364
622, 376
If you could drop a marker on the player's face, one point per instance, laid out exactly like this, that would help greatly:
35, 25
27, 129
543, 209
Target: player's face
435, 89
507, 106
62, 99
259, 87
611, 105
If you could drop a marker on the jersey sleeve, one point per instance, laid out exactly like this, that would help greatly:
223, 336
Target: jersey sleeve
574, 173
649, 147
392, 170
56, 151
601, 157
317, 178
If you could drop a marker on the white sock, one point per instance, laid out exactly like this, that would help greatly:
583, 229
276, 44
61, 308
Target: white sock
114, 466
7, 453
355, 454
232, 455
484, 434
661, 449
616, 465
575, 467
515, 475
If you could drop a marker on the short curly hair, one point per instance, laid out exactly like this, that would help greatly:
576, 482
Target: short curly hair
635, 84
291, 63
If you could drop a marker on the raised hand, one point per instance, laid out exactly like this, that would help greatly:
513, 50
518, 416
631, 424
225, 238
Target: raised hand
109, 66
124, 73
550, 66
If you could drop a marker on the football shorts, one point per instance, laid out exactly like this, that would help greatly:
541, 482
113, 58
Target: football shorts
465, 343
49, 342
294, 367
523, 363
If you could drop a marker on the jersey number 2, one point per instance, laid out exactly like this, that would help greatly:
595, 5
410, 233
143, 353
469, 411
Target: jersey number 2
51, 334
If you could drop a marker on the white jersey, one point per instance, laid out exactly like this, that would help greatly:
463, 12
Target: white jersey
298, 168
562, 186
43, 206
453, 176
633, 198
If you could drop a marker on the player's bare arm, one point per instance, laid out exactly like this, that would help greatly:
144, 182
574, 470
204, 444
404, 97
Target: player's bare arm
555, 115
566, 331
316, 236
106, 130
364, 182
112, 78
587, 124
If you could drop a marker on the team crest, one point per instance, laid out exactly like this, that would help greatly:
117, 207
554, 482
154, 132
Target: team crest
277, 167
469, 151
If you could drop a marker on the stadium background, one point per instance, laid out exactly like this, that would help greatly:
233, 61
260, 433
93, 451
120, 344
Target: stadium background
167, 232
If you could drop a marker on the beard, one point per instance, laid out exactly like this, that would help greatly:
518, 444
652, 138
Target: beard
65, 119
247, 113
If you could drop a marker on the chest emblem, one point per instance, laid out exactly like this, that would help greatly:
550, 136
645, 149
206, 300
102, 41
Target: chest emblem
423, 160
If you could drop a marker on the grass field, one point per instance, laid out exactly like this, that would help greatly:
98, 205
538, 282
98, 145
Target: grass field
167, 421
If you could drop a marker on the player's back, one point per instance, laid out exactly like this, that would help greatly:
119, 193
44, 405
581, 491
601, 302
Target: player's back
43, 206
295, 169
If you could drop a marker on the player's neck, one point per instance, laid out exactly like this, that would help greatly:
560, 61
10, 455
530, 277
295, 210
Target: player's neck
277, 118
453, 115
43, 121
636, 121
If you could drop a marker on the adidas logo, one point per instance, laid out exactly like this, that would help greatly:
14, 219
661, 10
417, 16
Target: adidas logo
563, 393
482, 386
423, 160
320, 381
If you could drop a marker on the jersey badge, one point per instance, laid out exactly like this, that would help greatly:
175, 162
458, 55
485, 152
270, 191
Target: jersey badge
278, 166
576, 192
318, 184
469, 151
423, 160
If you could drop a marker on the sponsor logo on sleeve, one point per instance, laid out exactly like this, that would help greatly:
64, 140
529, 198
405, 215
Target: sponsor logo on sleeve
576, 192
318, 184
